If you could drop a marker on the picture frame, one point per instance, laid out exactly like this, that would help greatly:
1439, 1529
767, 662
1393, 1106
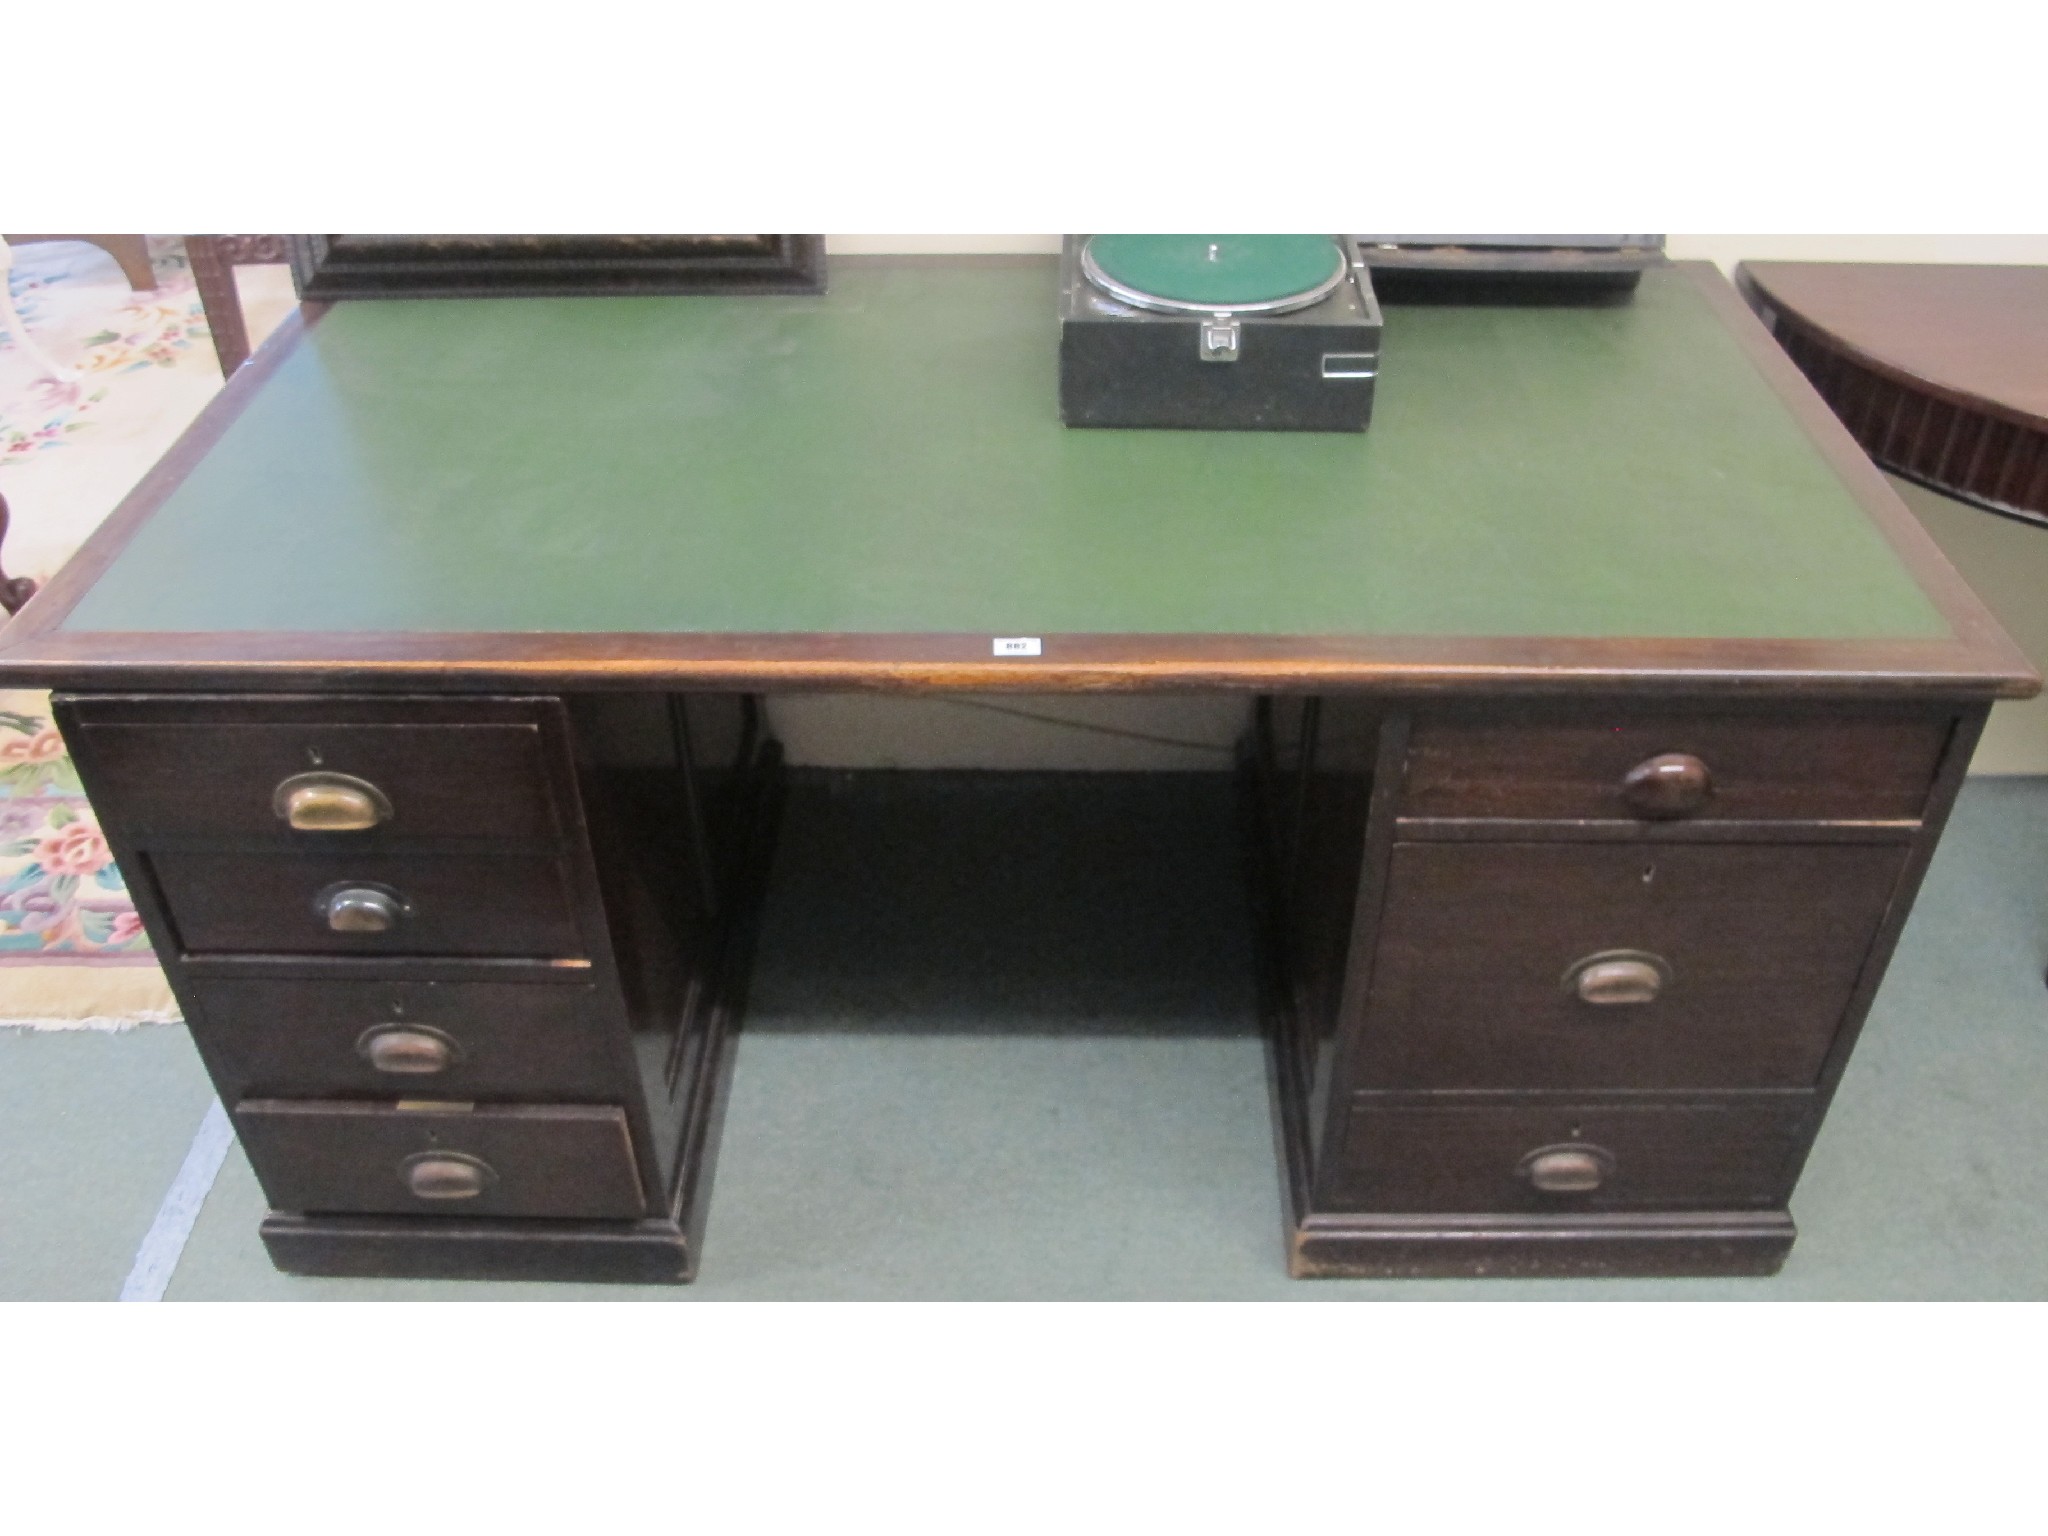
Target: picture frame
524, 266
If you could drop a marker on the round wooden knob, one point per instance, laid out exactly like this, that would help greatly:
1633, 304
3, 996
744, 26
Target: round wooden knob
330, 802
361, 909
1618, 978
447, 1175
1568, 1169
408, 1049
1672, 784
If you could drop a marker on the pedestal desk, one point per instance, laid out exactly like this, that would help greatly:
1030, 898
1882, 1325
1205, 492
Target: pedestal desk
1602, 708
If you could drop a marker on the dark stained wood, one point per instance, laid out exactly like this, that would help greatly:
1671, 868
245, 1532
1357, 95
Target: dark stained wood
288, 1028
454, 904
443, 266
1290, 1052
580, 971
1439, 823
1761, 766
1398, 1247
14, 590
756, 811
343, 1156
214, 259
1332, 782
1389, 747
253, 250
1763, 944
1355, 1222
1493, 829
513, 1041
1936, 369
309, 972
1667, 786
648, 855
651, 1252
1397, 666
209, 768
1446, 996
213, 274
1719, 1154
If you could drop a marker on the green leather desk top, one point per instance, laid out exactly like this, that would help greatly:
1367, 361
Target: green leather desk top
889, 458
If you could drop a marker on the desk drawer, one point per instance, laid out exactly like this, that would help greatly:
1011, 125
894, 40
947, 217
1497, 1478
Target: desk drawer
1683, 966
563, 1160
1663, 767
332, 903
432, 769
457, 1039
1510, 1158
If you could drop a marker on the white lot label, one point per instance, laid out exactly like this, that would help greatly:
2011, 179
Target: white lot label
1023, 645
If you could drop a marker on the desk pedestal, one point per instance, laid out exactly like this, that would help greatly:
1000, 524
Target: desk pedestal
1564, 989
1552, 988
465, 970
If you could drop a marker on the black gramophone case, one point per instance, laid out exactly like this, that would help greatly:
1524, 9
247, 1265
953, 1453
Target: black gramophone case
1308, 369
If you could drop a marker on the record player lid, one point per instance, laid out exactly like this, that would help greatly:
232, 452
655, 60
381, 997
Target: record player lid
1210, 273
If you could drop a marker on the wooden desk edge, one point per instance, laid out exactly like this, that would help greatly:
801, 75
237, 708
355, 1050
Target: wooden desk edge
1968, 619
1394, 665
1980, 661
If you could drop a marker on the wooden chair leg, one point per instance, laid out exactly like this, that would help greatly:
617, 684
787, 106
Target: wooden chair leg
130, 253
215, 279
14, 590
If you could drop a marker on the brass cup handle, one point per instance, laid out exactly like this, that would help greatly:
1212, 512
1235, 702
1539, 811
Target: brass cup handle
1618, 978
1670, 785
412, 1050
330, 802
1569, 1168
447, 1175
359, 908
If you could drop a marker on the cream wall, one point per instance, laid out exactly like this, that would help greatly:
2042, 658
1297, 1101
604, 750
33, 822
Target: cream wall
1726, 250
2007, 564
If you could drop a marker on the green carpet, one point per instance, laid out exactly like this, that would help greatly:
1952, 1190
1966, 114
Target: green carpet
92, 1129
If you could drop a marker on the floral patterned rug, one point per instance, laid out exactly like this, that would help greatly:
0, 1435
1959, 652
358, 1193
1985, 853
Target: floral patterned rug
71, 948
60, 892
144, 330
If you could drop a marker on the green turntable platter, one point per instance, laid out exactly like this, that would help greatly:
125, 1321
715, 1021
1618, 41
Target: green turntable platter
1242, 274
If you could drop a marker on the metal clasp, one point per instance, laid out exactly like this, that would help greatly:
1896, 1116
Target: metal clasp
1220, 335
1350, 365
